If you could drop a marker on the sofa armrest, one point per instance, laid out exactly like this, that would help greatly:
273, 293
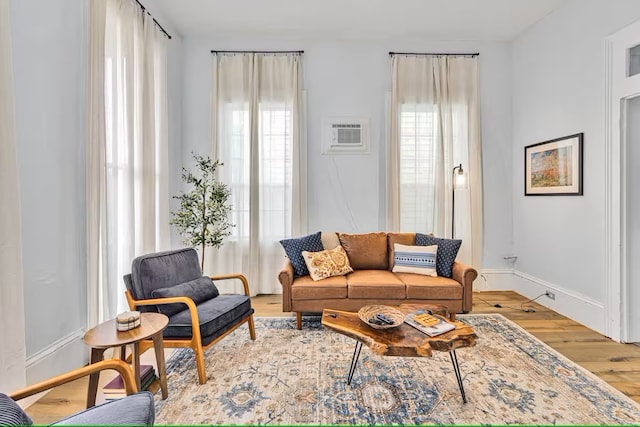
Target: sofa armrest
285, 277
465, 275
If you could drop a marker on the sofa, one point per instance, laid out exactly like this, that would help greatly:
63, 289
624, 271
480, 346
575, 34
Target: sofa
371, 256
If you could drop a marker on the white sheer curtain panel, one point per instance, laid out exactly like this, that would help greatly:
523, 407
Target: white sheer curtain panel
435, 125
12, 338
257, 121
128, 207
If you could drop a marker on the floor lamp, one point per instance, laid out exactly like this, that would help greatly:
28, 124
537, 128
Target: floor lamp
459, 181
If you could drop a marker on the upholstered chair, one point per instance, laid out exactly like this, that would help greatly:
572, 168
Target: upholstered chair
134, 409
199, 316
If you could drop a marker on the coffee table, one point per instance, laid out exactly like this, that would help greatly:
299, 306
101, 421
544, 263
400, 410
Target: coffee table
106, 335
404, 340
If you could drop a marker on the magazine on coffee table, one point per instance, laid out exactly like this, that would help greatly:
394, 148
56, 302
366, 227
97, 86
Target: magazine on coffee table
430, 324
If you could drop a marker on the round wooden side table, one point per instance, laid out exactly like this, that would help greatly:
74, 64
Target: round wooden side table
106, 335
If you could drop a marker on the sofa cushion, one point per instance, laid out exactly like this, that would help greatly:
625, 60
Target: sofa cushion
294, 248
415, 259
403, 239
199, 290
304, 288
367, 251
214, 316
329, 239
381, 284
135, 409
327, 263
428, 287
447, 252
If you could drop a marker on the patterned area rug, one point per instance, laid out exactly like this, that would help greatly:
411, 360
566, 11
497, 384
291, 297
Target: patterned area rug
288, 376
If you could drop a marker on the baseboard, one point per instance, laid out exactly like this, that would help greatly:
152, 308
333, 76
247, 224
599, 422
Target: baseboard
67, 353
575, 306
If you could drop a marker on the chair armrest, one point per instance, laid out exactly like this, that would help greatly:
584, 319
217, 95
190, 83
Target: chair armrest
465, 275
239, 276
285, 277
123, 369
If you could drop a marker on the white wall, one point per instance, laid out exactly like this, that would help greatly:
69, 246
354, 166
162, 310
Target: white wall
558, 90
349, 78
49, 59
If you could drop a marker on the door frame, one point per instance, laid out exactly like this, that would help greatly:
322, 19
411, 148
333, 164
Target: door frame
618, 90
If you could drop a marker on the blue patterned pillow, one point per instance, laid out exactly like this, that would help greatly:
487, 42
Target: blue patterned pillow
447, 252
294, 248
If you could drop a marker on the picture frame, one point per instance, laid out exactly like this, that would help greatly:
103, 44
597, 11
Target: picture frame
554, 167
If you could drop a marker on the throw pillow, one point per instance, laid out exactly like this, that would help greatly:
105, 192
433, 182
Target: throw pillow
199, 290
447, 252
415, 259
327, 263
294, 247
11, 414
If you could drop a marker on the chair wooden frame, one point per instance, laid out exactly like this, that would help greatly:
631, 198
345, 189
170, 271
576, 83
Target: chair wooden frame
121, 367
195, 342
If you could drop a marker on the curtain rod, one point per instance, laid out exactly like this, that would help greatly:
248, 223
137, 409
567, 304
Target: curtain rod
434, 54
257, 51
144, 9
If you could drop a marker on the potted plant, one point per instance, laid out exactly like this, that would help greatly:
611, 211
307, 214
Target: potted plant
203, 217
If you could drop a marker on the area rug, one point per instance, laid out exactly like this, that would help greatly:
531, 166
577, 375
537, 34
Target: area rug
288, 376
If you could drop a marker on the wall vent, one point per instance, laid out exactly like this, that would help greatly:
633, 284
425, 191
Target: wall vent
345, 135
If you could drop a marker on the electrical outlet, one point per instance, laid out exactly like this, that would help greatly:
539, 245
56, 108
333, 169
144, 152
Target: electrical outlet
551, 295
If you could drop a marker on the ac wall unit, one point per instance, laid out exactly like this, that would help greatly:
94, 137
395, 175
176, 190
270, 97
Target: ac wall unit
345, 135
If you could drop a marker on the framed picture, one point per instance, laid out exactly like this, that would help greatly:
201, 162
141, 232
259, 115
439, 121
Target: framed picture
554, 167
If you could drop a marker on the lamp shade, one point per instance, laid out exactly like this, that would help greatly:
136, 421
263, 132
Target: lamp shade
460, 179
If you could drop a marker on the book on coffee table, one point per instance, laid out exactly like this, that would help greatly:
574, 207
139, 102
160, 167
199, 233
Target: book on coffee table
430, 324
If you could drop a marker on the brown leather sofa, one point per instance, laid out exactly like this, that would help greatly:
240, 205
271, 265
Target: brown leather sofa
372, 281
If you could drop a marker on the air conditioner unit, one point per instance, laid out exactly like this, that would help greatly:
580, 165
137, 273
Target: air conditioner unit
345, 135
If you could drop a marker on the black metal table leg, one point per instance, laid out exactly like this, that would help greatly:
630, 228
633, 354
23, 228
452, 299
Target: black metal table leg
456, 369
354, 361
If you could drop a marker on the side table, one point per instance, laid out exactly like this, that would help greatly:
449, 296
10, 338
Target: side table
106, 335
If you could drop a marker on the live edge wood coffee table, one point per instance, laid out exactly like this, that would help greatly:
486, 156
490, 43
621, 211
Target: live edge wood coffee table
106, 335
404, 340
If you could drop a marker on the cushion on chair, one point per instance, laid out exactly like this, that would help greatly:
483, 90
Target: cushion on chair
294, 247
214, 316
136, 409
11, 414
199, 290
447, 252
163, 270
366, 251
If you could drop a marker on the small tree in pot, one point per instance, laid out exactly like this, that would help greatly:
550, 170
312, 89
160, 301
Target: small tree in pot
203, 217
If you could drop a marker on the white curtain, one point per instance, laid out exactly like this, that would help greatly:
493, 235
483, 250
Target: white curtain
435, 125
257, 135
128, 207
12, 338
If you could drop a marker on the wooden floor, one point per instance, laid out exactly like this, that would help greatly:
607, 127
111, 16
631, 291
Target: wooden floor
617, 364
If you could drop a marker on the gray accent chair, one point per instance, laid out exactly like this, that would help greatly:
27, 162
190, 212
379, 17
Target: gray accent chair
134, 409
199, 316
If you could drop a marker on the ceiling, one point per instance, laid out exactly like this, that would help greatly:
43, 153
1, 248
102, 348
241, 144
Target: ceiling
433, 19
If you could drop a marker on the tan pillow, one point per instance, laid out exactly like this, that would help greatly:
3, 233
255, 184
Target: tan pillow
327, 263
367, 251
329, 239
402, 238
415, 259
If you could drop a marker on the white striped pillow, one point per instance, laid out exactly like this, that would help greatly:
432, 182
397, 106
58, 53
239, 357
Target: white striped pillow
415, 259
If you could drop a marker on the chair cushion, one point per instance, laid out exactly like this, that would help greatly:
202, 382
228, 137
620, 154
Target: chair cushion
379, 284
367, 251
11, 414
415, 259
199, 290
429, 287
305, 288
163, 270
447, 252
403, 239
294, 247
135, 409
214, 315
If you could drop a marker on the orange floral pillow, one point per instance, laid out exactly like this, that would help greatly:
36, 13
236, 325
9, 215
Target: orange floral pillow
327, 263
